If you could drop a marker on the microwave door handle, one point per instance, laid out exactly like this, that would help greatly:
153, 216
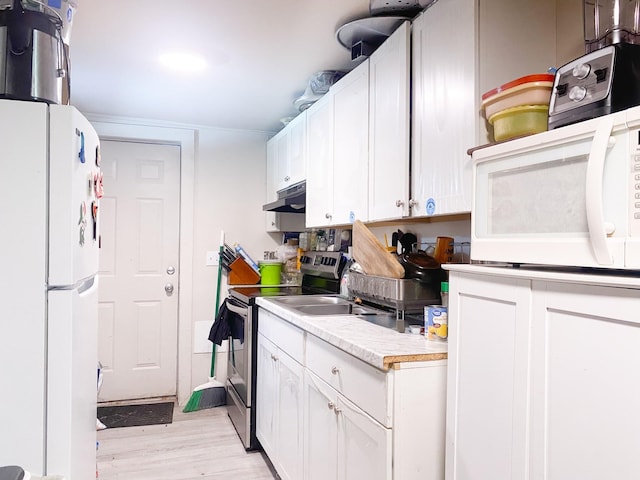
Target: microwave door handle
594, 201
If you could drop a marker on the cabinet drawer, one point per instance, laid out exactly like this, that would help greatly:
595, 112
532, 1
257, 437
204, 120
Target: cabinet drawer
286, 337
363, 384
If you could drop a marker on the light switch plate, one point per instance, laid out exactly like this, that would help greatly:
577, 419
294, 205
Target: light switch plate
212, 259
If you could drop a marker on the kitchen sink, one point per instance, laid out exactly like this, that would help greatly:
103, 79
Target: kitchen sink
325, 306
335, 309
311, 300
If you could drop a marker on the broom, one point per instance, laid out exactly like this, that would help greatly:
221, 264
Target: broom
212, 393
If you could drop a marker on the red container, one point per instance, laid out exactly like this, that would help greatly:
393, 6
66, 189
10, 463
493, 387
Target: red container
528, 90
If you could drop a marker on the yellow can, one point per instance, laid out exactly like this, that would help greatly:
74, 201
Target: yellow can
436, 322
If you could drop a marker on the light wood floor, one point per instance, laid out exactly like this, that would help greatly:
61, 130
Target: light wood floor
198, 445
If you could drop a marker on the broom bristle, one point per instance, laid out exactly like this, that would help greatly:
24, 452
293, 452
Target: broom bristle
206, 398
192, 404
213, 397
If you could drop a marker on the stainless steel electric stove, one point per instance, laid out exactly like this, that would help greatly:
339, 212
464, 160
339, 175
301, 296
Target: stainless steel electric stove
321, 275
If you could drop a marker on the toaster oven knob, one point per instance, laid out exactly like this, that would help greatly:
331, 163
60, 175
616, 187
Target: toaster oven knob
581, 70
577, 93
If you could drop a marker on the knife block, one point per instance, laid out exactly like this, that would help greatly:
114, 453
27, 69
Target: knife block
242, 274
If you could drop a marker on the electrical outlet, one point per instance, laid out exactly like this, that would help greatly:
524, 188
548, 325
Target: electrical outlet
212, 259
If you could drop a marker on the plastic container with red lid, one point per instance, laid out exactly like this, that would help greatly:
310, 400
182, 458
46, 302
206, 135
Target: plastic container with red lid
528, 90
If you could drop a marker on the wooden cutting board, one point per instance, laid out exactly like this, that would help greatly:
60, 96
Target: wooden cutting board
372, 256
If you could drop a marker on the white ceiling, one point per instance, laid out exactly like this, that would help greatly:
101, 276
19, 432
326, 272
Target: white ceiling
260, 56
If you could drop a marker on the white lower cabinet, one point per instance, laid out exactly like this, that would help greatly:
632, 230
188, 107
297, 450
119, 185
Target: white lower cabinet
320, 429
487, 380
364, 446
341, 440
585, 420
544, 379
267, 388
279, 408
324, 414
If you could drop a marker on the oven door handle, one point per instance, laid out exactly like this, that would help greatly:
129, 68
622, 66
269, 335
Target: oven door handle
240, 310
598, 230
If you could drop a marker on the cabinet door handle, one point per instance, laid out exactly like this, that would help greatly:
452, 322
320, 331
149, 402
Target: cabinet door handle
412, 203
327, 216
287, 178
399, 203
337, 411
331, 405
335, 370
274, 358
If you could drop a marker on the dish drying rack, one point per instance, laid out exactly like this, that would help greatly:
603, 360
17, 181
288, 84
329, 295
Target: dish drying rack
401, 295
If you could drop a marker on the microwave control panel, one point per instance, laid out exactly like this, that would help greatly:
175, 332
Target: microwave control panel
634, 212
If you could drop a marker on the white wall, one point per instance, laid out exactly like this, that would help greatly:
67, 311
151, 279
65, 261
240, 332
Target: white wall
229, 186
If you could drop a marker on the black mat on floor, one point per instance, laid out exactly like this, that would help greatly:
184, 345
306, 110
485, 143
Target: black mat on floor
136, 415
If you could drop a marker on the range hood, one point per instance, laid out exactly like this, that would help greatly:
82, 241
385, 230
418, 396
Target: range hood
290, 200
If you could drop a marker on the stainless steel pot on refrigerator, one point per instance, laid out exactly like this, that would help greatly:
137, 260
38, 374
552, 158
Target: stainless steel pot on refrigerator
33, 54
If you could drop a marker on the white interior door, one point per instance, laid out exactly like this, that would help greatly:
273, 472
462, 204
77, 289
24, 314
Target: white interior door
137, 338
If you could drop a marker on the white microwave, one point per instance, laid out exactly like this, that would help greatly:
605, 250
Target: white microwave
568, 197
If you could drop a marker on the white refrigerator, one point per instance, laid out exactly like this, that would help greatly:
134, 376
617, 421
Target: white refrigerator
50, 185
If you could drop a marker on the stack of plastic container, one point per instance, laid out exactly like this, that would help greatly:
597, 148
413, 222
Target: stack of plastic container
519, 107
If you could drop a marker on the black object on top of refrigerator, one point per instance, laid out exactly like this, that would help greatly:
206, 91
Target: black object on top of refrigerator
607, 78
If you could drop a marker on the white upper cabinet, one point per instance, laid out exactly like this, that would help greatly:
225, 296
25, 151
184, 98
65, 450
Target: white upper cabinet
462, 49
337, 142
320, 162
277, 222
389, 95
290, 153
351, 146
296, 165
444, 105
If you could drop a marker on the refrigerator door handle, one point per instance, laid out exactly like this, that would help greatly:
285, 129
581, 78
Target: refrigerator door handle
81, 286
595, 172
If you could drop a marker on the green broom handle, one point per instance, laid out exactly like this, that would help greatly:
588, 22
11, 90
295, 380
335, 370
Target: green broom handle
213, 352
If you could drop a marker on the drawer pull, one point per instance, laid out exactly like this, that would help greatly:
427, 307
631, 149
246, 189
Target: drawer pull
335, 370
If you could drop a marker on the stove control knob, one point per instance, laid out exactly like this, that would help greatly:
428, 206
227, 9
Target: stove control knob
577, 93
581, 70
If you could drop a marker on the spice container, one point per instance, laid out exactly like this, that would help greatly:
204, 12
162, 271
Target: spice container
303, 241
444, 293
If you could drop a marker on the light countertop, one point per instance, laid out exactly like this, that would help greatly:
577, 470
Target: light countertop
381, 347
576, 275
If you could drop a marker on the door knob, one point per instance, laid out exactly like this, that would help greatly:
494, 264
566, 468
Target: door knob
168, 288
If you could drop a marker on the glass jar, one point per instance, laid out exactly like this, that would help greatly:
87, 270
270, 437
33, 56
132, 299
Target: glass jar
313, 237
303, 241
321, 243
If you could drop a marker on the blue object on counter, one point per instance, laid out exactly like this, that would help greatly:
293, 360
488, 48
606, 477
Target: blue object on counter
247, 258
